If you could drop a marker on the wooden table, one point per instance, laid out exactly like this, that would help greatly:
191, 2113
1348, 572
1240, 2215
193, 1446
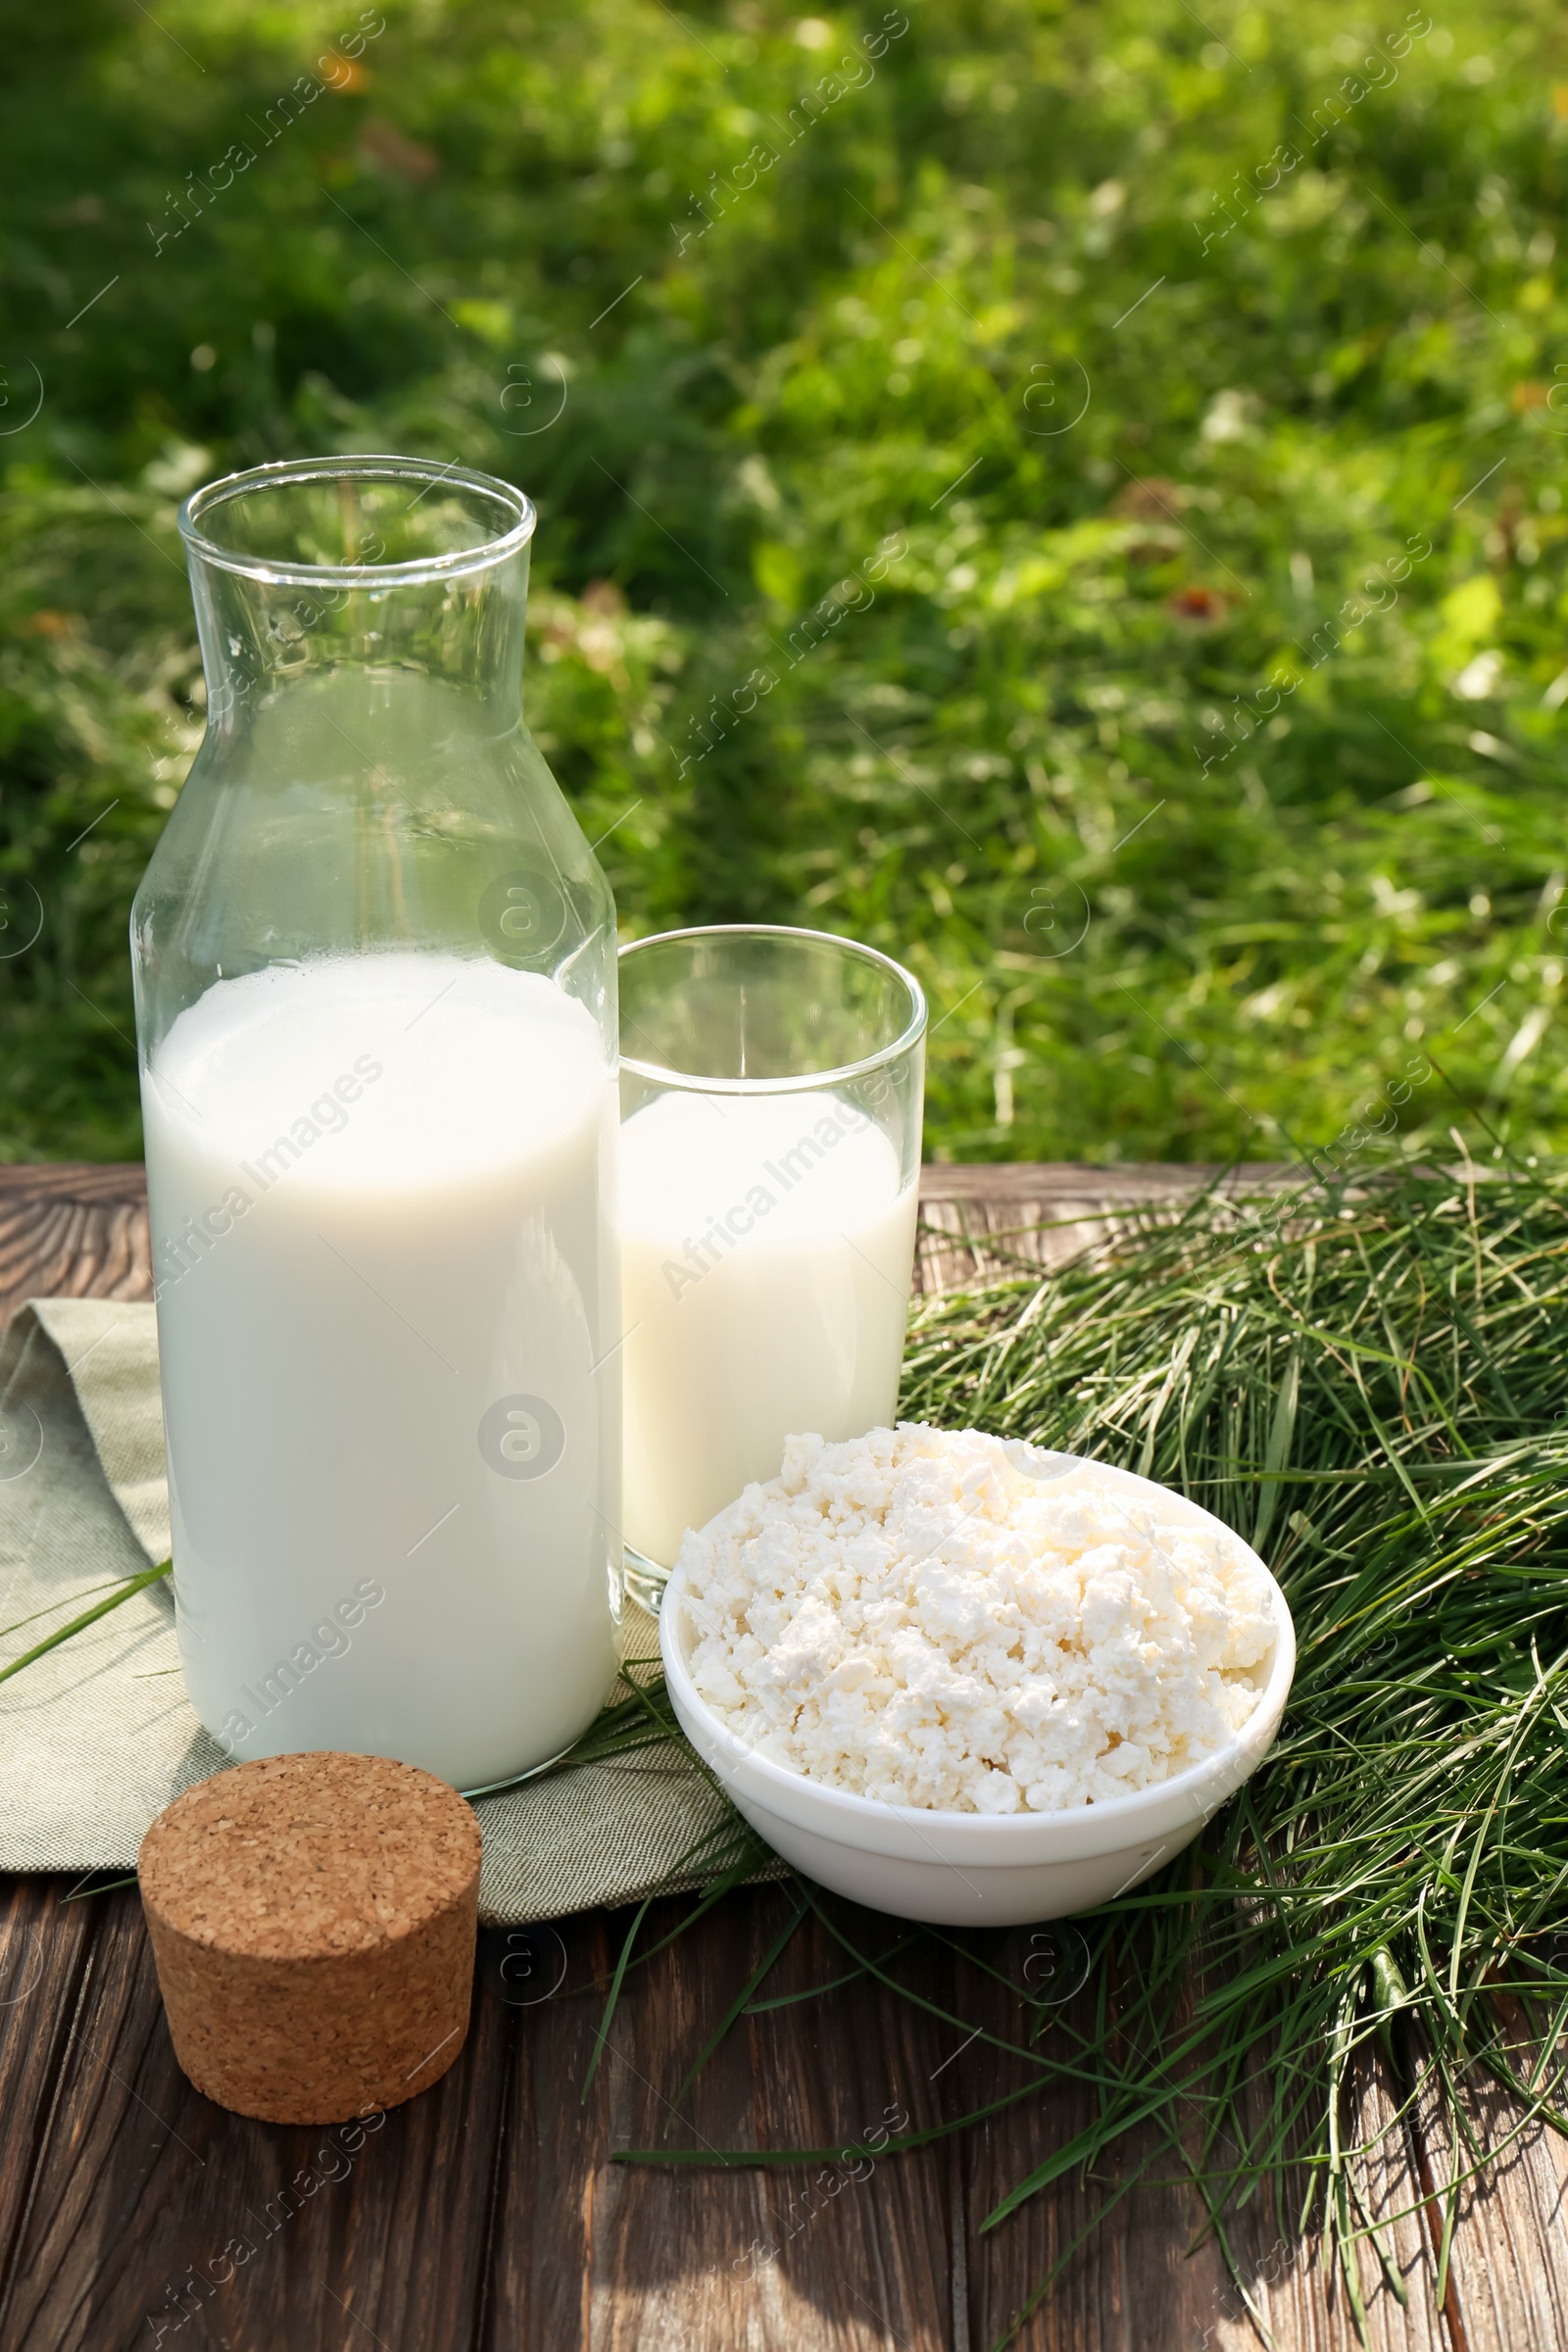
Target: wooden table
488, 2215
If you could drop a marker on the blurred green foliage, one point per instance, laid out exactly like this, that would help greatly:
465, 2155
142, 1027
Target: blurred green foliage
970, 445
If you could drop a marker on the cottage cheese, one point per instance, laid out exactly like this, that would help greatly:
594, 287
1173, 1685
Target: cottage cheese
942, 1618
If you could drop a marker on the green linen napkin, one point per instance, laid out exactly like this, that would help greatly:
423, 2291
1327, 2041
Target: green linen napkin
97, 1735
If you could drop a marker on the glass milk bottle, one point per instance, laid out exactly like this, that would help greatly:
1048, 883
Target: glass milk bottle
376, 1000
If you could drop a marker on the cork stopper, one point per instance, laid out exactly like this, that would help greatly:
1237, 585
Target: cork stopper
313, 1920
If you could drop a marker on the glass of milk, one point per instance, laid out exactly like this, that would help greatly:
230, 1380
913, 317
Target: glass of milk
375, 995
771, 1088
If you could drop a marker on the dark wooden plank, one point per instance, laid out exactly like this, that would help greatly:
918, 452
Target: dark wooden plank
81, 1180
45, 1951
1504, 2290
137, 2208
991, 1223
147, 2205
70, 1230
1149, 2274
77, 1230
621, 2257
1049, 1183
489, 2213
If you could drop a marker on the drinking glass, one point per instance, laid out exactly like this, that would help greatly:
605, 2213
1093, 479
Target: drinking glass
770, 1094
375, 998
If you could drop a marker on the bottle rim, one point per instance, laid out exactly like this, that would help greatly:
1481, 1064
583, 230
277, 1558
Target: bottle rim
203, 505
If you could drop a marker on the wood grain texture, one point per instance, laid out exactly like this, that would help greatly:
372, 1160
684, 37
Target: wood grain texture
990, 1223
70, 1230
151, 2215
1502, 2291
490, 2215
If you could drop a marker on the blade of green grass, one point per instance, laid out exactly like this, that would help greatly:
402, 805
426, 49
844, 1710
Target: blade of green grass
131, 1585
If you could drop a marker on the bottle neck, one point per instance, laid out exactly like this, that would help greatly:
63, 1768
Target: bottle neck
262, 638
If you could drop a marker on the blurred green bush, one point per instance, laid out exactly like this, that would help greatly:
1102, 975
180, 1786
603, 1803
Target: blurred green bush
1071, 494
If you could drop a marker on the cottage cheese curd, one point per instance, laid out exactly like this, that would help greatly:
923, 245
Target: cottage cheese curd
942, 1618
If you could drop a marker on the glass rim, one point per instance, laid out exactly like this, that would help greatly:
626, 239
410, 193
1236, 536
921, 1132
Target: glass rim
281, 472
665, 1074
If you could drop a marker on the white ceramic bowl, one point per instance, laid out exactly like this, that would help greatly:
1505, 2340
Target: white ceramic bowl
972, 1869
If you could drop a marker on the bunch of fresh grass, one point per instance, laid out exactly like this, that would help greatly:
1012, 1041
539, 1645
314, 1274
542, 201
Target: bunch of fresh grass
1374, 1394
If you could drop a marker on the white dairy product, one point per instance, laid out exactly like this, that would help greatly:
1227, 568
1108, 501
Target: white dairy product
387, 1285
943, 1618
767, 1244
